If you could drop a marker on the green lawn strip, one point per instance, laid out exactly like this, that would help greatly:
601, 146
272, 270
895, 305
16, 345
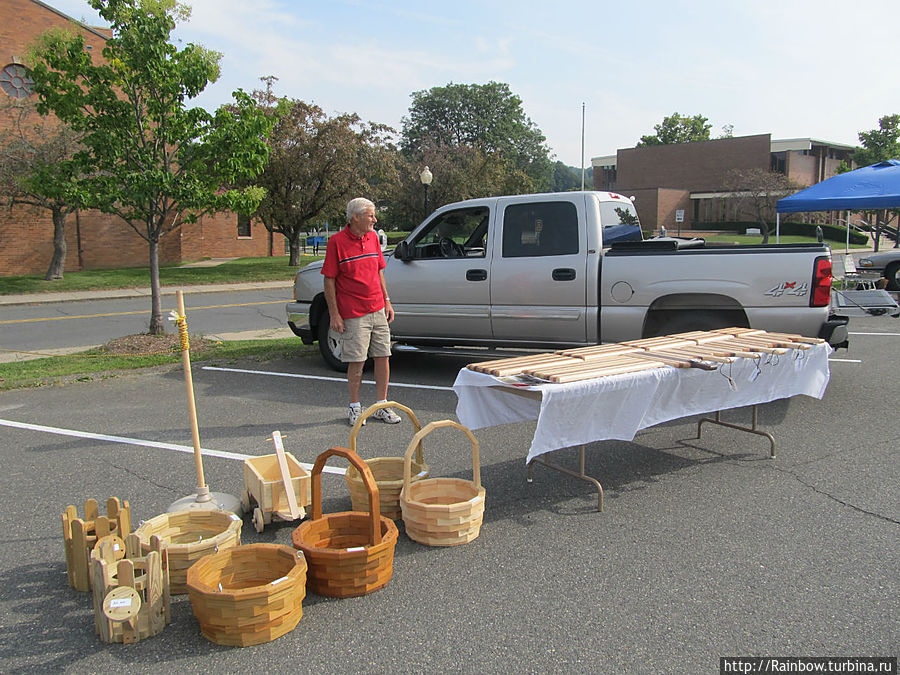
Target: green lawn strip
745, 240
91, 363
235, 271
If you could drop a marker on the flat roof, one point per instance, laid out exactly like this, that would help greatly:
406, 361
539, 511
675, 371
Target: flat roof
780, 145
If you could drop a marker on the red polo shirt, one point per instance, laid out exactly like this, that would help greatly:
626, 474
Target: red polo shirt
354, 262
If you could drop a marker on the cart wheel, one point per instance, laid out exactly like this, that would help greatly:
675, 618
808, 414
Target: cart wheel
258, 521
245, 501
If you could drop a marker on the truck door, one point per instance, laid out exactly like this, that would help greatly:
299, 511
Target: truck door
442, 291
538, 282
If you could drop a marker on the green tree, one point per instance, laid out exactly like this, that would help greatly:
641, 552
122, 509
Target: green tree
755, 193
879, 145
484, 121
155, 162
316, 163
678, 129
36, 170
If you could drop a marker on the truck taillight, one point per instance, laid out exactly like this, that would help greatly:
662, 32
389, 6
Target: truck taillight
821, 285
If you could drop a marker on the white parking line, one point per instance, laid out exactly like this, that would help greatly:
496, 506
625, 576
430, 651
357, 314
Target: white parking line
844, 361
887, 334
322, 377
147, 444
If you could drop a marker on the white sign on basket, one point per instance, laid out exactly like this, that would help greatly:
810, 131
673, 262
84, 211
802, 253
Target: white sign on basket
355, 549
120, 602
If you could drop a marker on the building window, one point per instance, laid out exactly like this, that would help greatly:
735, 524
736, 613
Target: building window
779, 162
14, 80
243, 225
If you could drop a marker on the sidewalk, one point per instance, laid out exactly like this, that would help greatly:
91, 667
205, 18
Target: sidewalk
63, 296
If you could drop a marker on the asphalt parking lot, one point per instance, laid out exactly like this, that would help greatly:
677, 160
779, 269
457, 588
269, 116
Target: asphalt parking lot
707, 548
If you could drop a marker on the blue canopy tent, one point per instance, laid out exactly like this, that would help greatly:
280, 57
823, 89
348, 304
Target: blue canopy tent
872, 187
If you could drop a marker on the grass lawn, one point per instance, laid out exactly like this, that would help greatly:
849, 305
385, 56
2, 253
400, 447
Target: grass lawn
94, 364
239, 270
744, 240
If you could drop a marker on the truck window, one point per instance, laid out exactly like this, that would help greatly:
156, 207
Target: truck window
455, 234
540, 229
612, 214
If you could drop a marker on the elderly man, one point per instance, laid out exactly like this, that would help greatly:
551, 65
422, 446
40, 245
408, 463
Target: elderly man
358, 303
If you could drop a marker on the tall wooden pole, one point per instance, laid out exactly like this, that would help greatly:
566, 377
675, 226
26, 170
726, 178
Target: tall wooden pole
202, 489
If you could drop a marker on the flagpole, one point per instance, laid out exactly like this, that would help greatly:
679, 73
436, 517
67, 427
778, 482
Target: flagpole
582, 146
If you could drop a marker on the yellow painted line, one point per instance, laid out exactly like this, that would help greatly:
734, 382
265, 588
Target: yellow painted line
142, 311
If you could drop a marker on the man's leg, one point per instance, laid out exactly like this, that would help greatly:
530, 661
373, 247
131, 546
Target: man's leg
382, 375
354, 379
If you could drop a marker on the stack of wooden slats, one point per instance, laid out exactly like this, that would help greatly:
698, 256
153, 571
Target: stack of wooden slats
696, 349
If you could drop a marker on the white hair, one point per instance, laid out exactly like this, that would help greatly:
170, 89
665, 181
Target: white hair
358, 206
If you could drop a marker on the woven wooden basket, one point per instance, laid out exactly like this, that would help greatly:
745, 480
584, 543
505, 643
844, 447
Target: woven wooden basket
442, 511
388, 471
188, 536
249, 594
349, 553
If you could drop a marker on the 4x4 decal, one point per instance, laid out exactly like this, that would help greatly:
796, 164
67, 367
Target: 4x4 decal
788, 288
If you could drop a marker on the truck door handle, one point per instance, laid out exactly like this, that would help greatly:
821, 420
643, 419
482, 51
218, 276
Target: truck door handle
563, 274
476, 275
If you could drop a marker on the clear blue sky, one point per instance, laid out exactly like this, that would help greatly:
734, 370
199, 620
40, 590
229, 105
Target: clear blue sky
824, 69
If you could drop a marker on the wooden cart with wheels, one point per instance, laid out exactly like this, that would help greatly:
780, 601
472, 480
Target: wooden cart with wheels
275, 486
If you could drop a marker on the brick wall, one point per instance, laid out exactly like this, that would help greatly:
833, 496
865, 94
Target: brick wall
699, 167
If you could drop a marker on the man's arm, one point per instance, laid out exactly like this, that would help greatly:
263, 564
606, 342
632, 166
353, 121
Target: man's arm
388, 307
336, 322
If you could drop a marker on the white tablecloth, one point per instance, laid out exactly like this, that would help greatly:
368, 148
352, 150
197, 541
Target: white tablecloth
618, 406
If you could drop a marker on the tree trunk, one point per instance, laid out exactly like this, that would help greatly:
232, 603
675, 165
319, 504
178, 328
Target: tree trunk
295, 249
58, 262
156, 323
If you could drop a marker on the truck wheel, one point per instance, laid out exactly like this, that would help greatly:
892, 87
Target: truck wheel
892, 274
683, 322
330, 344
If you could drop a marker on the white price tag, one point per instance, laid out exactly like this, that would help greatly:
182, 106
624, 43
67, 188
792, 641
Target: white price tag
121, 602
355, 549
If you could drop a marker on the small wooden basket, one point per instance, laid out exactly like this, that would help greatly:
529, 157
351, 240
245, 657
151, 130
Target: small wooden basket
188, 536
349, 553
249, 594
442, 511
131, 590
80, 535
388, 471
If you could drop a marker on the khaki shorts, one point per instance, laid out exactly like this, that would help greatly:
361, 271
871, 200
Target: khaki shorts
365, 336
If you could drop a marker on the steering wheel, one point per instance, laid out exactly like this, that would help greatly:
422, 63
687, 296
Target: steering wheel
450, 249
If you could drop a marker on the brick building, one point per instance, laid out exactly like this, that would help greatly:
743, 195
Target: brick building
690, 177
94, 240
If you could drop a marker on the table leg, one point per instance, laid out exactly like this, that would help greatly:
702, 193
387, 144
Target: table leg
580, 475
750, 430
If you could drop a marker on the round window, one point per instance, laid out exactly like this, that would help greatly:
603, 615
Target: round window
14, 80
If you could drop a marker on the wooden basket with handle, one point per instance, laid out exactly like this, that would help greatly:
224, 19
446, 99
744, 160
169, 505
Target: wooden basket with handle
388, 471
442, 511
349, 553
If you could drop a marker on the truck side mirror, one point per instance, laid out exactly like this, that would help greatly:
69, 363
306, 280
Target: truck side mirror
401, 251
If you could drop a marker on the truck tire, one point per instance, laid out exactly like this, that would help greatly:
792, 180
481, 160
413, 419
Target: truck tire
330, 344
892, 274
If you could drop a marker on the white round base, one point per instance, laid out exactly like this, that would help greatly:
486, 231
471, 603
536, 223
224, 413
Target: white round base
218, 501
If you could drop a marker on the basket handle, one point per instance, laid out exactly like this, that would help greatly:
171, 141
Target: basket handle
416, 442
368, 479
372, 409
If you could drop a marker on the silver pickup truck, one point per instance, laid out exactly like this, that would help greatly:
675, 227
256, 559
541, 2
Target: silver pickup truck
570, 269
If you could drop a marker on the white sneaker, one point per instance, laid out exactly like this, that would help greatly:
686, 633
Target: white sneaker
386, 415
353, 415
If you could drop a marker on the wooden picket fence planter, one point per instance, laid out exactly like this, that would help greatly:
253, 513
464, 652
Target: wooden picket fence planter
80, 535
131, 590
188, 536
388, 471
443, 511
248, 595
349, 553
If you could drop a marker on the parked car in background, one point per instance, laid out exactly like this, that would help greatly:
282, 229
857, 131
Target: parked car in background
885, 264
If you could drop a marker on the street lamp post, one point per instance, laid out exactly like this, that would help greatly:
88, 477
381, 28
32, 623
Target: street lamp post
426, 177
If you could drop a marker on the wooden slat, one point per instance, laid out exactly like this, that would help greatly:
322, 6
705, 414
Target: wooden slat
547, 371
600, 372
